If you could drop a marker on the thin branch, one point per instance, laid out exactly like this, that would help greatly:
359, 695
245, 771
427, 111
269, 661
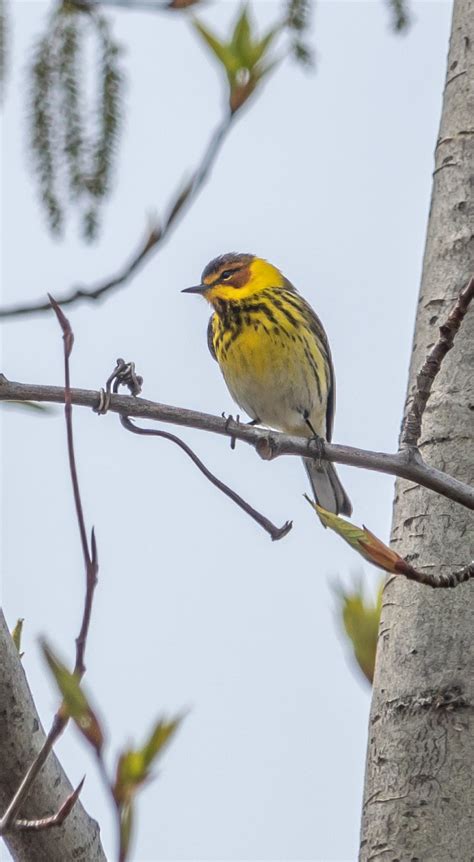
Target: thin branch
60, 720
10, 816
155, 237
55, 819
90, 556
426, 376
441, 581
269, 444
275, 532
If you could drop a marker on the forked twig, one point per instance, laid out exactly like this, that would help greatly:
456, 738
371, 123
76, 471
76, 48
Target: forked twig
57, 819
10, 820
89, 554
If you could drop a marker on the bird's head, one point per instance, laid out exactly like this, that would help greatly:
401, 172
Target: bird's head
236, 277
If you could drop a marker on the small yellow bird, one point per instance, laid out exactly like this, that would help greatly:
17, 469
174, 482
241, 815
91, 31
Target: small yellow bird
274, 354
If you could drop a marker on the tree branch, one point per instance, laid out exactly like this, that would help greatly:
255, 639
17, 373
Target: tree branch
426, 376
439, 581
89, 555
269, 444
21, 739
55, 819
9, 819
155, 237
275, 532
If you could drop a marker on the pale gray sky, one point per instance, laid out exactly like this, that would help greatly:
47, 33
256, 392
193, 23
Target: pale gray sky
328, 175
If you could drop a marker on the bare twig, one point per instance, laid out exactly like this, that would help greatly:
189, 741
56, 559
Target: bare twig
55, 819
124, 374
439, 581
427, 374
90, 555
8, 821
155, 237
275, 532
269, 444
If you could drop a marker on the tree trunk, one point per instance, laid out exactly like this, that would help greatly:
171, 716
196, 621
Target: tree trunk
419, 789
21, 737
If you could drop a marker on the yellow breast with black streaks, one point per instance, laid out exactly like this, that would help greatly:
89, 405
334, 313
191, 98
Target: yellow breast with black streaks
270, 348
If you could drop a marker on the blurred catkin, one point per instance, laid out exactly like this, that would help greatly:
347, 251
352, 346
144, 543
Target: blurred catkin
74, 128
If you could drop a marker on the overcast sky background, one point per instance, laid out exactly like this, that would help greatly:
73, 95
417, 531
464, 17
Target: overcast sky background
328, 175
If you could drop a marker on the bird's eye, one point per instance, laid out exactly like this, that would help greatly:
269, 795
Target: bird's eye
227, 273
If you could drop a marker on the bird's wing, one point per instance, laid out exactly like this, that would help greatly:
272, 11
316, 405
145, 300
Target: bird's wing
210, 337
318, 331
331, 406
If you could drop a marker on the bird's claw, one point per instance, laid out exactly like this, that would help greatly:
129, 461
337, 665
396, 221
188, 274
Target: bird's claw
228, 420
319, 443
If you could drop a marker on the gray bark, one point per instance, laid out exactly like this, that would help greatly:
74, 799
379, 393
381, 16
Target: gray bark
419, 791
21, 737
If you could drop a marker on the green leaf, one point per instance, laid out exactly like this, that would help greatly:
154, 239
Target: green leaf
260, 48
221, 50
16, 635
241, 38
159, 738
361, 620
362, 540
133, 766
75, 703
241, 57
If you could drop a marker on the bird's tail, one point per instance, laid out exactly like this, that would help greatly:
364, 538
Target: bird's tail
327, 489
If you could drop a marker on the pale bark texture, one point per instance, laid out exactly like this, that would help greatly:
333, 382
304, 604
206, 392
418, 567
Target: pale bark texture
21, 737
419, 792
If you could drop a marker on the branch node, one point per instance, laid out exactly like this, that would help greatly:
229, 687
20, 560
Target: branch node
266, 447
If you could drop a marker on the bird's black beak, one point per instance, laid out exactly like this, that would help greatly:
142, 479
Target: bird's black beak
198, 288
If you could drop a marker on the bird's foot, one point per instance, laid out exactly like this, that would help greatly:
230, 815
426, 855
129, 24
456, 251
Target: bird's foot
228, 420
319, 442
317, 439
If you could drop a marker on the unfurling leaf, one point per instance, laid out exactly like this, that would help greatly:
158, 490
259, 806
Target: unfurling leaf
133, 767
241, 56
365, 543
361, 622
75, 703
222, 51
16, 635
